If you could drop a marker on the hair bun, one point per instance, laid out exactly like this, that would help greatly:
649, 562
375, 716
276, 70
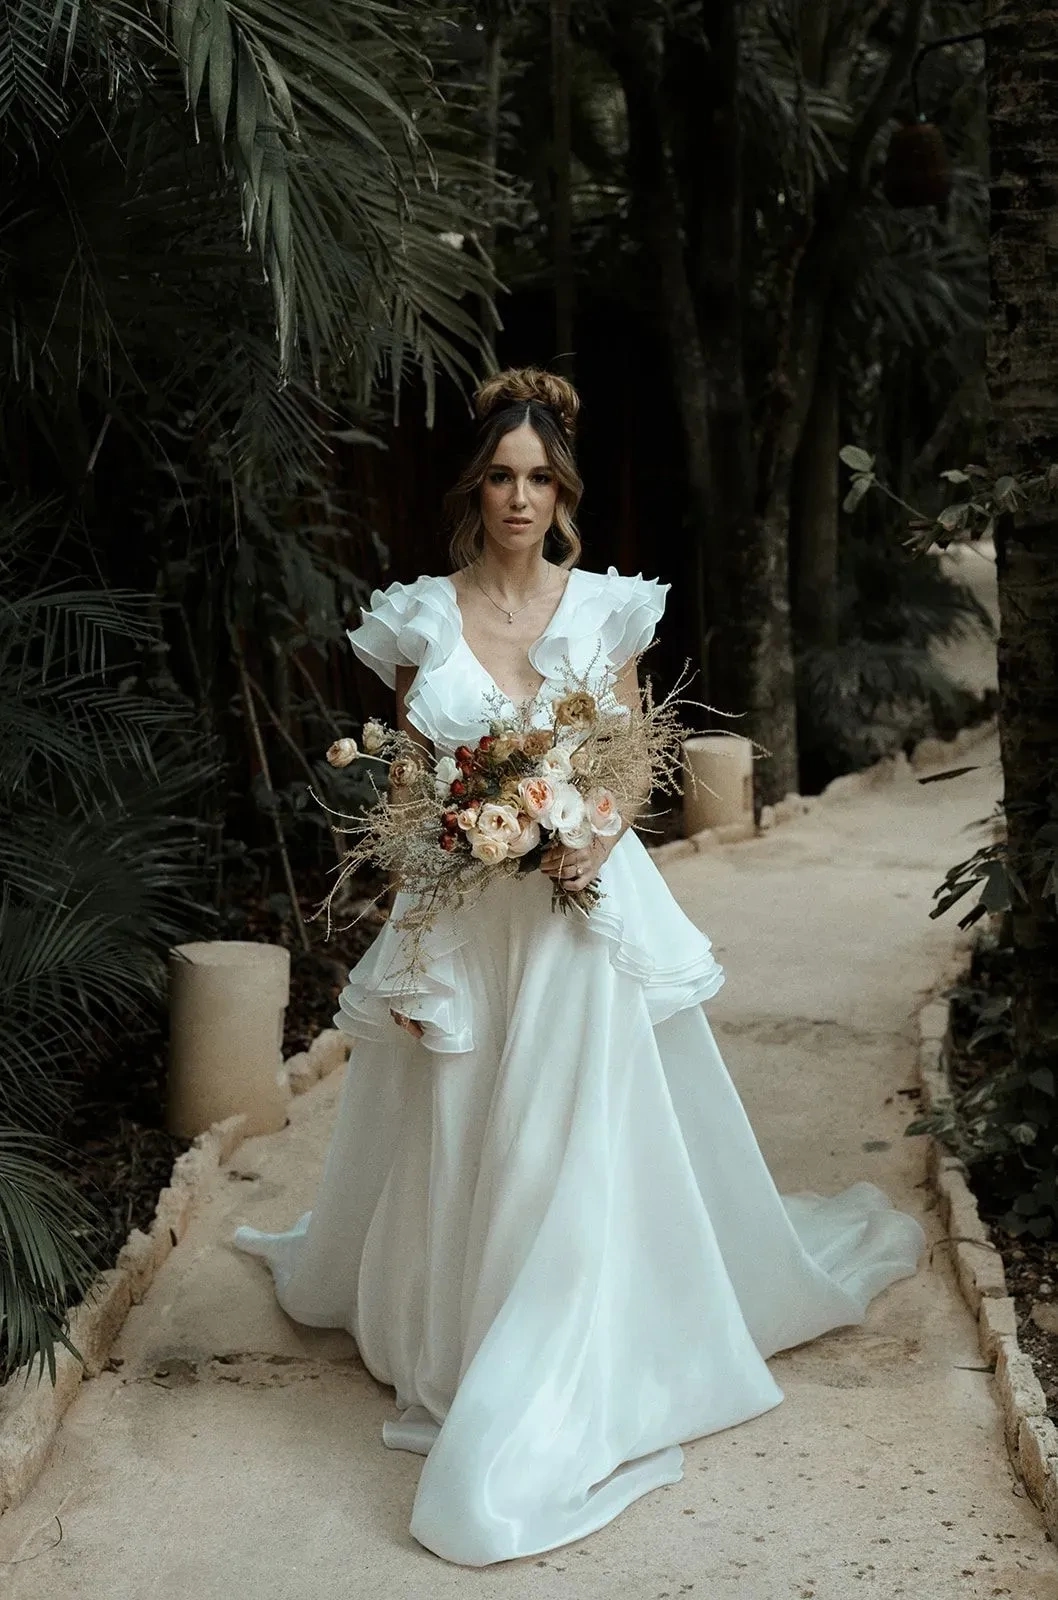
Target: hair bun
518, 385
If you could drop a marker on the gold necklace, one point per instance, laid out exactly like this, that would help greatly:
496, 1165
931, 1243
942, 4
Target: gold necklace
510, 615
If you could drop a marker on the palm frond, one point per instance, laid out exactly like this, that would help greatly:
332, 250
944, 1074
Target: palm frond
45, 1261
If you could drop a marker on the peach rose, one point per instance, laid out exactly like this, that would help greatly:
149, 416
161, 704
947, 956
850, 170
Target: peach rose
603, 812
537, 796
499, 822
468, 817
487, 848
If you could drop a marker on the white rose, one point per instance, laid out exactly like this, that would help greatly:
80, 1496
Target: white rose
373, 737
445, 774
468, 817
500, 822
555, 764
342, 751
568, 817
603, 814
527, 840
487, 848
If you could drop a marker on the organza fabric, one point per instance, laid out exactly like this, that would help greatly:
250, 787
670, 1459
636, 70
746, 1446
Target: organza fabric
548, 1223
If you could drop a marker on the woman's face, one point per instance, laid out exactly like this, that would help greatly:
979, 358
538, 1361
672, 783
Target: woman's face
519, 491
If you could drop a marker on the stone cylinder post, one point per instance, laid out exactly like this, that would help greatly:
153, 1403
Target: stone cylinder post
226, 1004
718, 782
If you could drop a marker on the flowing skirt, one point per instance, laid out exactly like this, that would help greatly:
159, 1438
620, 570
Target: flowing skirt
548, 1224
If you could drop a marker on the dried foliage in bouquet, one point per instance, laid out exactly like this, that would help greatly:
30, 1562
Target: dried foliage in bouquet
443, 829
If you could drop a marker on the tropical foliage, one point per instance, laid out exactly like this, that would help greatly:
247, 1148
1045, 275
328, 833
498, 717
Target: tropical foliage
227, 231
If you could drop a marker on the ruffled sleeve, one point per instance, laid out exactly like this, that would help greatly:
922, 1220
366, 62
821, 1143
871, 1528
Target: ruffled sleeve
600, 608
411, 625
382, 640
636, 608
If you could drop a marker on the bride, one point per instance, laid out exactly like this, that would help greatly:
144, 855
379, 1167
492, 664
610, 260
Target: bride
544, 1216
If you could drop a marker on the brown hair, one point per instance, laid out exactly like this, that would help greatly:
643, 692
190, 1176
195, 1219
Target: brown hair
502, 403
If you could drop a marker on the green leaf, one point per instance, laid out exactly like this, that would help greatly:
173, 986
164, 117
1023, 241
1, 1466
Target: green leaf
1024, 1132
859, 488
1042, 1078
954, 517
856, 458
955, 475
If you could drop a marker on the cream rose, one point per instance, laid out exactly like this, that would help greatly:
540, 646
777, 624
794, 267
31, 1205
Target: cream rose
445, 774
499, 822
342, 751
603, 813
486, 847
555, 763
468, 817
568, 817
527, 840
373, 737
536, 796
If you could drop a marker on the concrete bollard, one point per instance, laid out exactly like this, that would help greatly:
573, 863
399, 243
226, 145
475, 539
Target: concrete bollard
722, 763
226, 1005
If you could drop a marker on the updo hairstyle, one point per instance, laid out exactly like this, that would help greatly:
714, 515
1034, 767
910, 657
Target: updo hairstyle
502, 403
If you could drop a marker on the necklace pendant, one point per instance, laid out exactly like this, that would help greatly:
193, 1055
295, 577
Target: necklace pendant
510, 618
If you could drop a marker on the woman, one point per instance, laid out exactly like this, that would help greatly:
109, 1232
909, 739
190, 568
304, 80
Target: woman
544, 1216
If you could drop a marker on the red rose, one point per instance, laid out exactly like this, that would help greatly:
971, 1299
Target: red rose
451, 821
458, 786
448, 841
463, 754
485, 742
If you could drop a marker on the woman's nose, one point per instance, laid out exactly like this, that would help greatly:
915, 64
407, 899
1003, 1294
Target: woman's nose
518, 495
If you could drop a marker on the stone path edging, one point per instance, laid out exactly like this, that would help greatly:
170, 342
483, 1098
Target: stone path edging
1031, 1437
30, 1412
927, 753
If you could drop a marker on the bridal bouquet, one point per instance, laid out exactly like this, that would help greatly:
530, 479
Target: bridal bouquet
445, 829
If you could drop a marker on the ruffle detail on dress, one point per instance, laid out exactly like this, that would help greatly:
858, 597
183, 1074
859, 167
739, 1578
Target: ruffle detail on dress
409, 625
434, 994
619, 613
650, 938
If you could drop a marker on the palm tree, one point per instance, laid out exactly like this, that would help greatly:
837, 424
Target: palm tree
99, 875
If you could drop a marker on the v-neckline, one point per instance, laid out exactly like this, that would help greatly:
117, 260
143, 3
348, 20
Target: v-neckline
454, 597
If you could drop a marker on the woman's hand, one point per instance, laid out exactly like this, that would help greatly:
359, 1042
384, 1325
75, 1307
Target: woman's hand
575, 869
407, 1023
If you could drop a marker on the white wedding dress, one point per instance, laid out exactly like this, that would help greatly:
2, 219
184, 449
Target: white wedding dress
548, 1224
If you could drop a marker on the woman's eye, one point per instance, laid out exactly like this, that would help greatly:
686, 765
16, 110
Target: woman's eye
541, 477
497, 477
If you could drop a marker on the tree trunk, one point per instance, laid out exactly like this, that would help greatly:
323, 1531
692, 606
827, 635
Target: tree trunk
562, 158
752, 652
818, 503
638, 60
1023, 382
